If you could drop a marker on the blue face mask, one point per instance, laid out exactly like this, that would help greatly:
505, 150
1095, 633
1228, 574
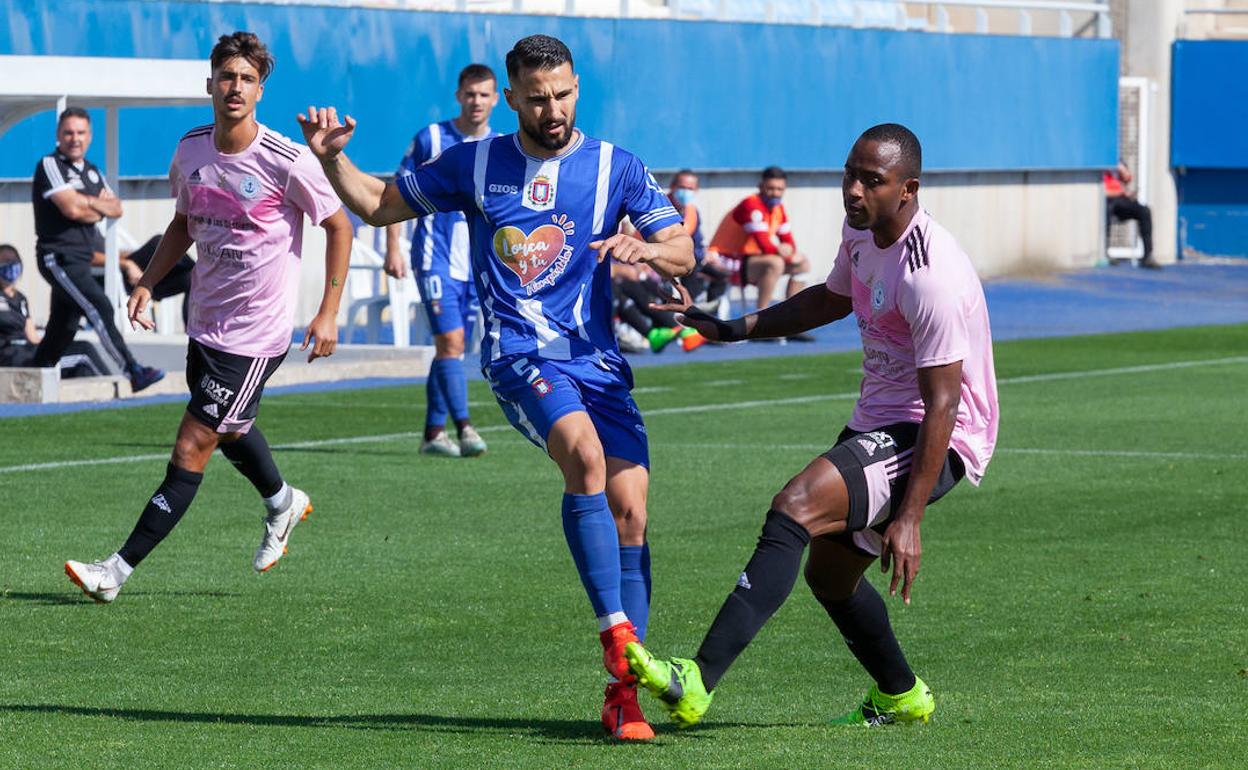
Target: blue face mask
683, 195
10, 272
771, 203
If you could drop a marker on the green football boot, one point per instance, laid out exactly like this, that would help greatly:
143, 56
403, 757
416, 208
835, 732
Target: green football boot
676, 682
879, 709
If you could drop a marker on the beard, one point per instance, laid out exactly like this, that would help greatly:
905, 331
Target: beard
546, 141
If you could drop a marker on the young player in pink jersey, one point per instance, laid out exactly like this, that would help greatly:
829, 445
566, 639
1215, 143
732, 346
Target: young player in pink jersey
927, 416
242, 191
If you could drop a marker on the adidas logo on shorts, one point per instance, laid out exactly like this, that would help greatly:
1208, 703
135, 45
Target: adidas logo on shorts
211, 410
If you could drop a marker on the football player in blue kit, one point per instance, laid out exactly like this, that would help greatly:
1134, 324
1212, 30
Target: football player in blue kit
443, 270
543, 207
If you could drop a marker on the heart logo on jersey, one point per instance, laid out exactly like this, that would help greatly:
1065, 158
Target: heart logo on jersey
529, 255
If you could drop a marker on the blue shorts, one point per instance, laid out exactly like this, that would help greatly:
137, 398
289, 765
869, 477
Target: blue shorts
534, 393
449, 303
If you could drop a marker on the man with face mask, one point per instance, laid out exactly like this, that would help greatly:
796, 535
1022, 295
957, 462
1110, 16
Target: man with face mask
710, 276
757, 234
544, 206
927, 416
18, 336
70, 196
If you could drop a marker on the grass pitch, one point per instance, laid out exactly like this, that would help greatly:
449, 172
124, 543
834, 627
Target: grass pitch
1086, 607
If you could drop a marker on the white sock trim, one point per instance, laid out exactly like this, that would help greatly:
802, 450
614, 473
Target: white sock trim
612, 619
271, 502
120, 565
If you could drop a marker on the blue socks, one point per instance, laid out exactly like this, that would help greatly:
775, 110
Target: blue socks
595, 546
435, 396
635, 585
446, 389
454, 387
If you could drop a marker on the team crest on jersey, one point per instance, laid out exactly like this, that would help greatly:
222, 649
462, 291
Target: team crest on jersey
249, 187
537, 258
539, 194
877, 296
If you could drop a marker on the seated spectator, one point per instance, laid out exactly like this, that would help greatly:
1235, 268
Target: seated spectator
133, 263
1121, 205
757, 235
709, 279
636, 288
18, 336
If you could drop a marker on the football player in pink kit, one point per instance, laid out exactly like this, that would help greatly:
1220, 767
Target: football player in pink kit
242, 191
927, 416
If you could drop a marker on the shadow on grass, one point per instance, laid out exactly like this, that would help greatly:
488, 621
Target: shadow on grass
544, 730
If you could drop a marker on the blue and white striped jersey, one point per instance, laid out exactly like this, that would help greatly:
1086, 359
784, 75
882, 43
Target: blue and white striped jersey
439, 241
530, 221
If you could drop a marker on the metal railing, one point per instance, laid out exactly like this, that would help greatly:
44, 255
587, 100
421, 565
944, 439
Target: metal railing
1062, 18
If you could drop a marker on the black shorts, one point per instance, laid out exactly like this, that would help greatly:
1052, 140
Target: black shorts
875, 465
225, 387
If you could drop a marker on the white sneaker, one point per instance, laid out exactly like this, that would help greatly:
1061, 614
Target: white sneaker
470, 443
277, 529
440, 444
101, 580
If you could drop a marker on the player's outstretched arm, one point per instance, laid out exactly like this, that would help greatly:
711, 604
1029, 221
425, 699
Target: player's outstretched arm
669, 252
941, 389
175, 242
808, 309
324, 327
374, 201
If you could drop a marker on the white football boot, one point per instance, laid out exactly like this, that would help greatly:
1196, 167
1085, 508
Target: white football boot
470, 443
277, 529
101, 580
440, 445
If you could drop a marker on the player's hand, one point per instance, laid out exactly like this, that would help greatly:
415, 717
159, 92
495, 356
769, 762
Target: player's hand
322, 132
395, 265
903, 548
324, 330
707, 325
785, 250
623, 248
136, 308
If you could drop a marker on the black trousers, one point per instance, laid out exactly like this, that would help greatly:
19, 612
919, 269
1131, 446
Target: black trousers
75, 293
1122, 208
81, 359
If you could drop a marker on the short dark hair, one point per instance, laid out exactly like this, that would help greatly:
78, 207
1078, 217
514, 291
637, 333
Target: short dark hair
537, 52
907, 145
8, 253
774, 172
475, 72
71, 112
247, 46
684, 172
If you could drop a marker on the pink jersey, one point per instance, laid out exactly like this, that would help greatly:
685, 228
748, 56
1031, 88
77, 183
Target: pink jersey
919, 303
245, 214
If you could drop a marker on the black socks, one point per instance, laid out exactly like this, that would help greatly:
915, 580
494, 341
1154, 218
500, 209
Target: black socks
251, 455
764, 585
863, 621
162, 513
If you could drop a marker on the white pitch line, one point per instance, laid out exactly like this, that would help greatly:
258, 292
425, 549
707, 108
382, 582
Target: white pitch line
698, 408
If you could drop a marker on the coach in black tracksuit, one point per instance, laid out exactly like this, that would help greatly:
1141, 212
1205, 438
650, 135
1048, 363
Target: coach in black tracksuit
70, 195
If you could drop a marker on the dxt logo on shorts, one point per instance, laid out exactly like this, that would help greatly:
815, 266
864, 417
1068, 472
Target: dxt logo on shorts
215, 390
876, 439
